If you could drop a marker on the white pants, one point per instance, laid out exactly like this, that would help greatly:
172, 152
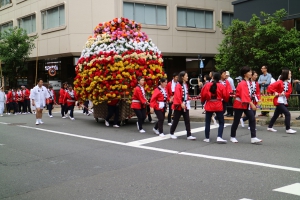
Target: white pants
1, 107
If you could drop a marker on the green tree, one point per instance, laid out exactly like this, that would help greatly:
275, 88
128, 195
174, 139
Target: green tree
261, 41
15, 48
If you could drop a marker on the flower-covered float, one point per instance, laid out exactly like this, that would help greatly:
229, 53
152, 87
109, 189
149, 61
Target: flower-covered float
110, 62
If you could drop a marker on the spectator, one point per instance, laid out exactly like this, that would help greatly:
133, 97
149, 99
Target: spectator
229, 104
264, 81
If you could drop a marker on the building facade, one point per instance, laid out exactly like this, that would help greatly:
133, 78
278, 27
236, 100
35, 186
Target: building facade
182, 30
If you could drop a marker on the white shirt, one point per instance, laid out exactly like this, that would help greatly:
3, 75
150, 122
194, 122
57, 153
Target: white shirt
2, 96
39, 95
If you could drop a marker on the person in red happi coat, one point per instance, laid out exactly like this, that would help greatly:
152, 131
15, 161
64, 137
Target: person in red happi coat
63, 105
69, 101
170, 88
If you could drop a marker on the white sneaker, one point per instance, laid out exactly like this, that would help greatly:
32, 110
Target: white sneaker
272, 130
169, 124
15, 113
206, 140
234, 140
88, 114
106, 123
152, 122
64, 117
116, 126
50, 116
142, 131
225, 126
249, 128
291, 131
191, 138
242, 122
215, 121
84, 113
221, 141
173, 136
255, 140
8, 113
162, 135
72, 118
40, 121
137, 125
155, 131
37, 122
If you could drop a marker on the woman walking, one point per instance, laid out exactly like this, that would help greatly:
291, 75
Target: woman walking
215, 95
139, 103
181, 106
243, 104
282, 90
70, 99
63, 105
158, 104
51, 100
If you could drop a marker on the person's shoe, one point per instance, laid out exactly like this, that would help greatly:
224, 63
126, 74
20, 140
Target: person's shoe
29, 113
84, 113
291, 131
242, 122
72, 118
255, 140
50, 116
221, 141
162, 135
173, 136
64, 117
206, 140
272, 130
142, 131
15, 114
88, 114
225, 125
191, 138
116, 126
8, 113
137, 124
24, 113
234, 140
155, 131
106, 123
37, 122
40, 121
169, 124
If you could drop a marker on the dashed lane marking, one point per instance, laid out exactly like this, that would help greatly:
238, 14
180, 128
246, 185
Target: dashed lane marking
290, 189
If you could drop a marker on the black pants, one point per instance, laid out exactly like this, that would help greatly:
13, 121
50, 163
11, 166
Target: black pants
63, 109
113, 110
170, 113
229, 106
219, 117
246, 118
21, 106
26, 104
71, 109
236, 120
8, 107
149, 114
86, 105
161, 118
281, 108
13, 105
141, 115
186, 117
50, 107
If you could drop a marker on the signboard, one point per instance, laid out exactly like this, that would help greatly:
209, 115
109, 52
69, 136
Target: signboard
266, 103
56, 84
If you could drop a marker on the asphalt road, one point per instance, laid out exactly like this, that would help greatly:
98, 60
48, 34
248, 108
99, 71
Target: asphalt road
82, 159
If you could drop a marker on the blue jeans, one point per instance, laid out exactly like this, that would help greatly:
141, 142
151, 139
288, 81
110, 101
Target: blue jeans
219, 117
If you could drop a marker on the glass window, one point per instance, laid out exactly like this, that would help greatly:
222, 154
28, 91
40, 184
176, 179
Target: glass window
28, 23
53, 17
195, 18
227, 19
6, 26
4, 2
145, 13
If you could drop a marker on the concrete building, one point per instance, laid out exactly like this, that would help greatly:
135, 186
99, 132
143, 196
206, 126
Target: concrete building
182, 29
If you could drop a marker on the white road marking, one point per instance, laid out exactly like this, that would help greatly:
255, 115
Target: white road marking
2, 144
170, 151
4, 123
246, 199
290, 189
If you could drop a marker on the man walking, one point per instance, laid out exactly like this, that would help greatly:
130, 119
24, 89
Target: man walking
264, 81
39, 95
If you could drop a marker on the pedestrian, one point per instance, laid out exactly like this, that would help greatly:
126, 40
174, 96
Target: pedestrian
214, 94
264, 81
63, 105
149, 114
139, 103
158, 104
228, 88
69, 100
230, 101
170, 88
86, 107
51, 100
26, 104
255, 96
32, 107
12, 96
39, 95
181, 106
113, 109
2, 101
282, 90
7, 103
20, 101
243, 104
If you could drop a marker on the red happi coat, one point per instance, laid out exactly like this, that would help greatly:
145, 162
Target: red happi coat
169, 89
62, 93
157, 97
138, 96
69, 101
113, 102
242, 95
26, 94
257, 92
11, 97
51, 93
177, 101
20, 98
214, 104
278, 87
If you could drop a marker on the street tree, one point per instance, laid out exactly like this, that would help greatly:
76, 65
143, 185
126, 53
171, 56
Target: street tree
261, 41
15, 48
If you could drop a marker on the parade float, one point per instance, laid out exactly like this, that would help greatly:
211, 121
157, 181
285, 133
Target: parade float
110, 63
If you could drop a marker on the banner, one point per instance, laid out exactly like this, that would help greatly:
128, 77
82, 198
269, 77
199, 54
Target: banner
266, 103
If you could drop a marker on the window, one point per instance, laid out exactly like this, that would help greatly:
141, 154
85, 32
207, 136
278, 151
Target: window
227, 19
297, 24
53, 17
146, 13
4, 2
194, 18
6, 26
28, 23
